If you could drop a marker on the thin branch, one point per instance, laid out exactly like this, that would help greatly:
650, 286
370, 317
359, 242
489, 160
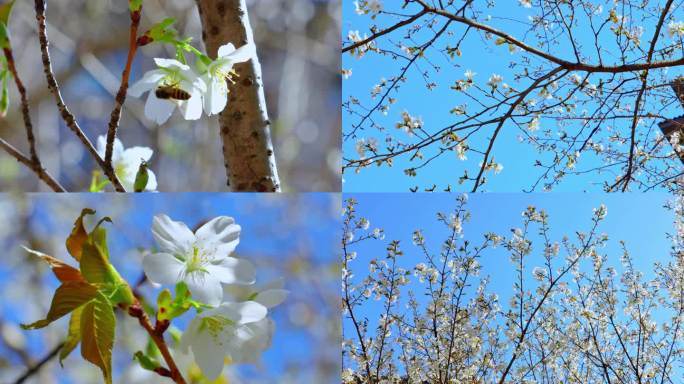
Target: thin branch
123, 88
37, 168
25, 112
67, 116
36, 368
157, 337
637, 104
521, 98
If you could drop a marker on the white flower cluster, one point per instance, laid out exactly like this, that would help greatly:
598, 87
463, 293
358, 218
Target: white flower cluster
236, 325
675, 28
175, 84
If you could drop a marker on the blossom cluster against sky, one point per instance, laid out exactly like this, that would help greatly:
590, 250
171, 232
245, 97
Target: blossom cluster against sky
485, 64
638, 219
288, 236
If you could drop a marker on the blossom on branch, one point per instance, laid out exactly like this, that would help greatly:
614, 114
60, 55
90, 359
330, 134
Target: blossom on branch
202, 259
127, 161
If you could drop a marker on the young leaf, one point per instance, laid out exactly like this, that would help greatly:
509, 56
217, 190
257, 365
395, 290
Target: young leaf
74, 335
134, 5
5, 10
172, 308
121, 293
78, 235
68, 297
97, 185
64, 272
97, 334
145, 361
94, 265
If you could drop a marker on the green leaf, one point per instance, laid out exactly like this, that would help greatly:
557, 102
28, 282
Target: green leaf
94, 266
97, 185
67, 298
162, 31
74, 335
78, 235
170, 308
5, 11
134, 5
145, 361
97, 334
500, 41
121, 293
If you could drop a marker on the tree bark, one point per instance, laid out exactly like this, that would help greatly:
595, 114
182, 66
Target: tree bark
244, 124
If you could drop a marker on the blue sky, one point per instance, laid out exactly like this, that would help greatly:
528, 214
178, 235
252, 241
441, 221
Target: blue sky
432, 106
278, 228
638, 219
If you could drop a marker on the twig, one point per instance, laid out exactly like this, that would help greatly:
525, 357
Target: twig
37, 168
34, 369
136, 311
121, 94
67, 116
24, 105
245, 128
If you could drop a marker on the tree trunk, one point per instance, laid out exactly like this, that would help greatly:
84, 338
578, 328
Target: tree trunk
244, 125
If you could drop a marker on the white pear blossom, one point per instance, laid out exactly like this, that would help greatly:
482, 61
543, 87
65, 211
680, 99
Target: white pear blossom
170, 73
494, 81
268, 295
201, 259
214, 333
253, 338
220, 71
675, 28
127, 161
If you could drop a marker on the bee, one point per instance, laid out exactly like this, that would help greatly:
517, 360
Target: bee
171, 92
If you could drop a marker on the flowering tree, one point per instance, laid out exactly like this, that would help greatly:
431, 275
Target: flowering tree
231, 319
192, 82
572, 319
582, 83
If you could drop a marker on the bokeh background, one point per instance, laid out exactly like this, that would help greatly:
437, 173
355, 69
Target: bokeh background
298, 46
290, 236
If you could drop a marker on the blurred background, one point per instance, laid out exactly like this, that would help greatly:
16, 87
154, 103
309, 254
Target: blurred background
298, 46
290, 236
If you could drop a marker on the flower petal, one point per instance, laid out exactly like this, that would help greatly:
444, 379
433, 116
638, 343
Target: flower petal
151, 181
243, 53
209, 354
102, 147
205, 287
172, 236
219, 234
162, 268
243, 313
192, 108
216, 98
225, 50
149, 81
170, 63
233, 271
135, 154
271, 297
158, 110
